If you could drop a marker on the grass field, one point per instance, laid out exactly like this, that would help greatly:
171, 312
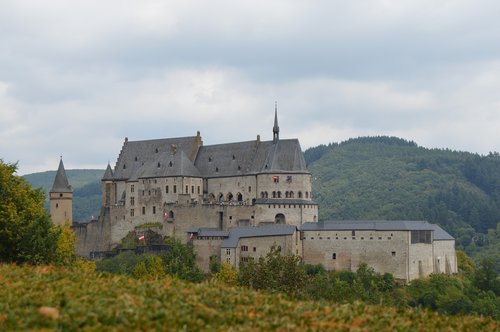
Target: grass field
50, 298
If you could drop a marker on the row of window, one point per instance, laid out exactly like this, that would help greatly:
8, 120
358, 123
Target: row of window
288, 194
345, 238
334, 255
306, 206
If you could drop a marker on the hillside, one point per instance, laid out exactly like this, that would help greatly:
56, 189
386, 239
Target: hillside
86, 185
58, 299
390, 178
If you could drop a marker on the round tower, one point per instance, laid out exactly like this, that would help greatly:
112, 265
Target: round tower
61, 198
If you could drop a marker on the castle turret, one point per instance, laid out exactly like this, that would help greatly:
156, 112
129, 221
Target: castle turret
61, 198
276, 128
107, 183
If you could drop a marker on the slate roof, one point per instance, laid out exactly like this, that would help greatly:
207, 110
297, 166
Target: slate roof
136, 154
61, 184
261, 231
157, 158
108, 174
205, 231
378, 225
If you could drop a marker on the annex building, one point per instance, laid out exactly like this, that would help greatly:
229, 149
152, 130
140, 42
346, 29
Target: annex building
234, 201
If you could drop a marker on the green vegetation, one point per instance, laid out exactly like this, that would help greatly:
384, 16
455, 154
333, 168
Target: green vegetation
149, 225
51, 298
26, 232
390, 178
178, 261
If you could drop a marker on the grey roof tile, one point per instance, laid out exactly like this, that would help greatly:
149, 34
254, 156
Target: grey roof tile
237, 233
108, 174
61, 184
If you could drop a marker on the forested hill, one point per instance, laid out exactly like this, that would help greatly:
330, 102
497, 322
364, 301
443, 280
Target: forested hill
86, 184
391, 178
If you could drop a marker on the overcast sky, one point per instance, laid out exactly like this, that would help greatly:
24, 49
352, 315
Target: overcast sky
77, 77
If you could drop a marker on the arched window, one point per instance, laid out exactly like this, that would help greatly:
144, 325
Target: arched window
239, 197
221, 197
267, 195
307, 194
229, 196
292, 194
170, 214
274, 194
286, 194
279, 218
279, 194
262, 195
300, 194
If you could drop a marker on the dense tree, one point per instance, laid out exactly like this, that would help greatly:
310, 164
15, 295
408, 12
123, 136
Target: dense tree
275, 272
26, 233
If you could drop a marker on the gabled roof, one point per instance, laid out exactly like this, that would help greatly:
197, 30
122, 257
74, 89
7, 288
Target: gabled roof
251, 157
441, 234
237, 233
169, 164
136, 154
61, 184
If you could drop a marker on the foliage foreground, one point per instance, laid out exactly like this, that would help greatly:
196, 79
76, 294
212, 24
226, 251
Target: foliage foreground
47, 297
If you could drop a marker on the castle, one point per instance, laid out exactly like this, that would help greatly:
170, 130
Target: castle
234, 201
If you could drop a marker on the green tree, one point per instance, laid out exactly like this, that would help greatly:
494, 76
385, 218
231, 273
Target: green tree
275, 272
26, 233
180, 261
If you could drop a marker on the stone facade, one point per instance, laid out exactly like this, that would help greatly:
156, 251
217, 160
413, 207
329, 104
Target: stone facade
234, 201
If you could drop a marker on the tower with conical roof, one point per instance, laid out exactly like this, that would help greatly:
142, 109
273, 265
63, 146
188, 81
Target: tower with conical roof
61, 198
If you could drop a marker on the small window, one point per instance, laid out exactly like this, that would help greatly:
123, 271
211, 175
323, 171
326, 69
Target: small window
175, 189
132, 188
154, 209
234, 157
393, 253
353, 233
57, 205
228, 252
158, 165
156, 150
254, 249
228, 260
166, 189
187, 189
199, 190
334, 255
143, 210
132, 212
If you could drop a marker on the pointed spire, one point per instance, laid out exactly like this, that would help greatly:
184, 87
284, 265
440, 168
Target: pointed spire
61, 184
276, 128
108, 175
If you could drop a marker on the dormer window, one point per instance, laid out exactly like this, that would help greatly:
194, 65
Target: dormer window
124, 166
170, 164
156, 150
135, 159
239, 168
234, 157
158, 165
216, 169
209, 159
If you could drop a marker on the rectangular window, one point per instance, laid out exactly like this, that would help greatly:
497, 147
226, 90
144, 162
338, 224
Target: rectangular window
228, 260
154, 209
192, 189
420, 237
254, 249
228, 252
393, 253
132, 188
143, 210
199, 190
244, 248
175, 189
334, 255
131, 212
249, 189
132, 201
166, 189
